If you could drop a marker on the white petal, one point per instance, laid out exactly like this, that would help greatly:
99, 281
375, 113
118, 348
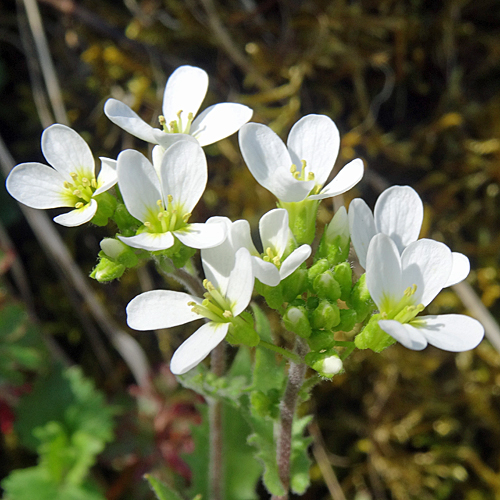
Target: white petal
161, 309
219, 121
274, 230
184, 175
37, 186
185, 90
460, 269
268, 160
362, 227
107, 177
399, 213
78, 216
451, 332
265, 272
239, 236
427, 264
407, 335
315, 139
197, 347
339, 226
294, 260
152, 242
157, 157
67, 152
383, 272
202, 235
347, 178
240, 283
120, 114
166, 140
139, 184
219, 261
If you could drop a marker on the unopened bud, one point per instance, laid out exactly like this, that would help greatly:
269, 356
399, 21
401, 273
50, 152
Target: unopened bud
360, 300
295, 320
343, 274
326, 316
326, 286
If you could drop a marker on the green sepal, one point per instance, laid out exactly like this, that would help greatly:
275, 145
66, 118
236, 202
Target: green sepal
321, 339
343, 274
296, 320
326, 315
107, 270
272, 294
318, 361
178, 253
294, 285
127, 224
360, 299
241, 332
348, 320
302, 219
316, 269
373, 337
334, 251
326, 286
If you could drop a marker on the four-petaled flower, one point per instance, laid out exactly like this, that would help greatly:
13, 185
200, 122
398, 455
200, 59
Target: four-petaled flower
277, 241
403, 285
227, 296
185, 90
299, 170
398, 213
163, 200
72, 181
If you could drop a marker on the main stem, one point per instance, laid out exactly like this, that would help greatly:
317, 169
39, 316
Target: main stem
296, 375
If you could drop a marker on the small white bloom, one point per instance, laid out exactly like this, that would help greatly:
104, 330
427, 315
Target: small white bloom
224, 301
70, 183
299, 170
398, 213
270, 267
164, 203
403, 285
185, 90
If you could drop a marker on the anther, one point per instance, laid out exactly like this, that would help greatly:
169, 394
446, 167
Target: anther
162, 120
160, 203
85, 181
186, 217
74, 176
147, 224
170, 198
93, 183
79, 205
310, 176
77, 192
293, 168
227, 314
67, 185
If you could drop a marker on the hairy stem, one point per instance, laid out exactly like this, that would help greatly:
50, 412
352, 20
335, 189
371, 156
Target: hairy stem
296, 375
216, 463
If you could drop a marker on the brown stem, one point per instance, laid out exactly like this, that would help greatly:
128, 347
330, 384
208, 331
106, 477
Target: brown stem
296, 375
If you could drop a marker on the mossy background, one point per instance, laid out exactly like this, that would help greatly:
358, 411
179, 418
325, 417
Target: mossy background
414, 87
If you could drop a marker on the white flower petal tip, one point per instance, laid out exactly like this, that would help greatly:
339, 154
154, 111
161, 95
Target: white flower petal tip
451, 332
460, 269
294, 260
197, 347
202, 236
161, 309
79, 216
152, 242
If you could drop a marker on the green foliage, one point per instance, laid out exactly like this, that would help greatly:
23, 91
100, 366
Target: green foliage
162, 490
68, 423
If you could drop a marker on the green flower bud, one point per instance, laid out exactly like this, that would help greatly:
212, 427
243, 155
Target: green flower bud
321, 340
295, 320
326, 315
294, 285
119, 252
360, 299
327, 287
348, 319
107, 270
272, 294
302, 217
373, 337
327, 364
343, 274
317, 268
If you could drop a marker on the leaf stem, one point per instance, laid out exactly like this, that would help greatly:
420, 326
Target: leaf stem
284, 352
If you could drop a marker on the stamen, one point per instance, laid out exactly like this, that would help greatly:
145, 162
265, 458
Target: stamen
160, 203
147, 224
276, 261
293, 168
77, 193
227, 314
79, 205
74, 176
85, 181
186, 217
170, 198
93, 183
310, 176
67, 185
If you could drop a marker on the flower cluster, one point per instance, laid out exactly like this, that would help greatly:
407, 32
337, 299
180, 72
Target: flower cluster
314, 292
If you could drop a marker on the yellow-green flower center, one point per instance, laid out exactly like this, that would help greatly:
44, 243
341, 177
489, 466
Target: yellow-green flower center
177, 126
270, 255
405, 310
166, 219
80, 190
214, 306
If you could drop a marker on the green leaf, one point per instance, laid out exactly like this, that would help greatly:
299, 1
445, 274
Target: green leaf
162, 490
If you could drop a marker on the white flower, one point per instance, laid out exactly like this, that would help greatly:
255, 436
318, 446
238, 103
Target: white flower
164, 203
270, 267
185, 90
402, 285
72, 181
398, 213
300, 169
224, 301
